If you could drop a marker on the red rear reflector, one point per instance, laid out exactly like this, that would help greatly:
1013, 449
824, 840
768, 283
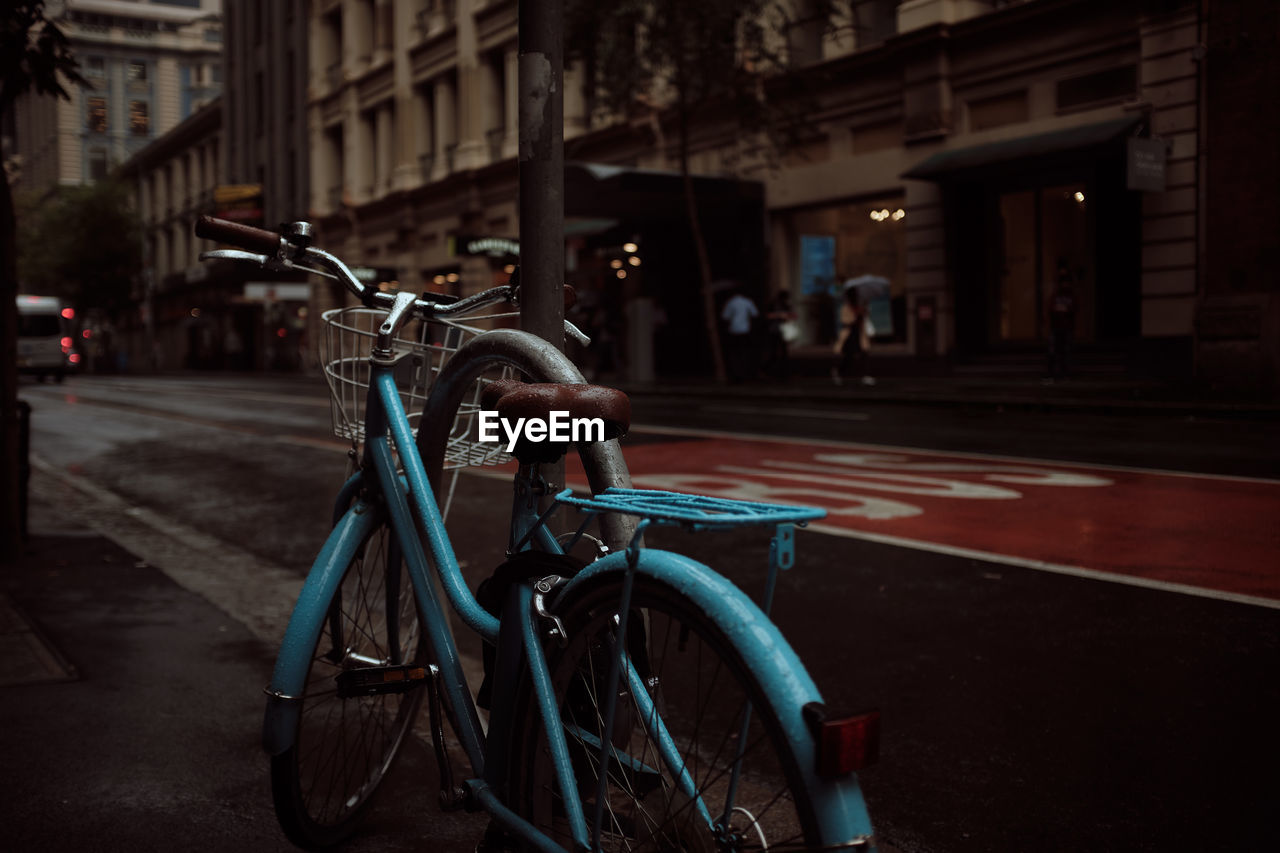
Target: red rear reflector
843, 744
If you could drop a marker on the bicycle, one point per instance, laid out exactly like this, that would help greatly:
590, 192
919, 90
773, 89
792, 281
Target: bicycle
638, 700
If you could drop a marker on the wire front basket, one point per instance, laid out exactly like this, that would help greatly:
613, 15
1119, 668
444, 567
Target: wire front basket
426, 345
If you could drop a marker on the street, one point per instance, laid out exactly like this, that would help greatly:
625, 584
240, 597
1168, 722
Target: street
1070, 621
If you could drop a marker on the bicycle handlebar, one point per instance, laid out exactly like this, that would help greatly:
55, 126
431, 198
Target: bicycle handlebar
271, 248
245, 236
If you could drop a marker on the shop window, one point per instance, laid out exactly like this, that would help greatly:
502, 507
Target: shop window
859, 242
1113, 84
139, 120
96, 115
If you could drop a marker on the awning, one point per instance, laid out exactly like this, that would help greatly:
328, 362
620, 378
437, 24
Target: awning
945, 164
626, 193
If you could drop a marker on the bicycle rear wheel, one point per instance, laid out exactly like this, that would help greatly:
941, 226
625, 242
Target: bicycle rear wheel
735, 783
348, 739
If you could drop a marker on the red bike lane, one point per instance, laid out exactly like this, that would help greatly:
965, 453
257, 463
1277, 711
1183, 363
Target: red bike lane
1187, 532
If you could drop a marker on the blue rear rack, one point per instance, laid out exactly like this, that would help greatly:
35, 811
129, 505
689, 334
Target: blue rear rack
697, 512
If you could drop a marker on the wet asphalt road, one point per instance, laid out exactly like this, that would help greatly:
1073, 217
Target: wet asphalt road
1024, 711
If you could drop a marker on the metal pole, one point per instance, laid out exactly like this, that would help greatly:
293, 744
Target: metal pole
541, 158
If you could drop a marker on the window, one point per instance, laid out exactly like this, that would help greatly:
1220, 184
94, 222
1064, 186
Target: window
139, 122
97, 164
1010, 108
1113, 84
95, 70
96, 119
136, 73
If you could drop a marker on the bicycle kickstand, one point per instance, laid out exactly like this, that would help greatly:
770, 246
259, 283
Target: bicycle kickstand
452, 796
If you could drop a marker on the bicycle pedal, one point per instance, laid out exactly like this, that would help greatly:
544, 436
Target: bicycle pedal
497, 840
379, 680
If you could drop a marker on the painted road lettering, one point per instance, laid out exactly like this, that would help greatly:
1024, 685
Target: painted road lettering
1148, 527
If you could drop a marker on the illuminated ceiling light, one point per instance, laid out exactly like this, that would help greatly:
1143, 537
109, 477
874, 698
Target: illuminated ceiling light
438, 280
195, 312
1079, 196
452, 277
898, 214
630, 247
509, 269
634, 260
622, 273
616, 263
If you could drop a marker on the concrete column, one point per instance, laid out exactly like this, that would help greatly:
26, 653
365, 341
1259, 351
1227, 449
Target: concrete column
423, 128
576, 120
357, 35
511, 101
470, 110
406, 171
446, 127
361, 156
386, 148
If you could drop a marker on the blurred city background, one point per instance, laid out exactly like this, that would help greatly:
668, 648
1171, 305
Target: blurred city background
966, 154
1056, 577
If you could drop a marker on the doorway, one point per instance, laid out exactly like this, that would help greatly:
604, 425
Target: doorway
1040, 231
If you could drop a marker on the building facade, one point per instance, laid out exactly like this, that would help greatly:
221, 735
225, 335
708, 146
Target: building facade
973, 153
181, 323
265, 112
148, 66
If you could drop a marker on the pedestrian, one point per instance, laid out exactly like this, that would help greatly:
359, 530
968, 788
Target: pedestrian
851, 343
739, 314
1062, 323
783, 331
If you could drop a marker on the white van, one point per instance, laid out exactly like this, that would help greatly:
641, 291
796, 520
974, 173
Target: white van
44, 336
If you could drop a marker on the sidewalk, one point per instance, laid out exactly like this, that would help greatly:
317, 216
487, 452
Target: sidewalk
905, 383
131, 711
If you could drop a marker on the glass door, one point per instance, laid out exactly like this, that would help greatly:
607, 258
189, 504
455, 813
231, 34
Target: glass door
1039, 231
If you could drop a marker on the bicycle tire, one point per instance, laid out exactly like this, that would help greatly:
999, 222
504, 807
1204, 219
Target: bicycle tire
446, 429
700, 683
344, 747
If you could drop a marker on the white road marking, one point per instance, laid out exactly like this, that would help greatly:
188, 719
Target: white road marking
1041, 565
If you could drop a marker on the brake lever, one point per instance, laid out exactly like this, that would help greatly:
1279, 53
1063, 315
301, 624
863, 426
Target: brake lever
576, 333
233, 255
263, 261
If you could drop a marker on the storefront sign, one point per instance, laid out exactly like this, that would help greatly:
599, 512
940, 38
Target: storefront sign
494, 247
239, 202
1146, 164
276, 291
817, 264
375, 275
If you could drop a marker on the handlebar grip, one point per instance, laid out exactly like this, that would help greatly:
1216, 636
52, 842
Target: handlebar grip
247, 237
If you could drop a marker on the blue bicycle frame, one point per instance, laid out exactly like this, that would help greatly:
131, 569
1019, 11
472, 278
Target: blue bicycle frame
400, 494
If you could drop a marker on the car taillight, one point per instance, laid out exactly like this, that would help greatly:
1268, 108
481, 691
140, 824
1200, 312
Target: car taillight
843, 744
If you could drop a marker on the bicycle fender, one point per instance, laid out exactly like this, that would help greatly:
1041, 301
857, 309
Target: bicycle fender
770, 658
289, 678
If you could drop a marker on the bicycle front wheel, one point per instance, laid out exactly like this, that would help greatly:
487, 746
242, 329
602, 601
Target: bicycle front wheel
348, 736
725, 779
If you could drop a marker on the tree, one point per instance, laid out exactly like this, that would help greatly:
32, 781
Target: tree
727, 59
34, 57
83, 244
